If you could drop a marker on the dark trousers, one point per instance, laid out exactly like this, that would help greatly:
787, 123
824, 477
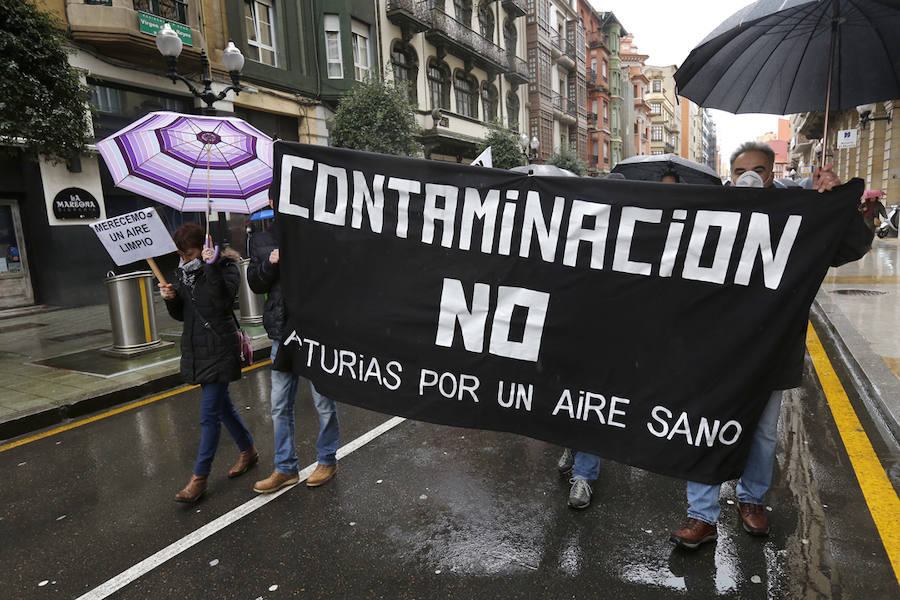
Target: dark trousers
216, 408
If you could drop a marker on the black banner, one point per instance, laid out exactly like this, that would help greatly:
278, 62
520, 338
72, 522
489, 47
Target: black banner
643, 322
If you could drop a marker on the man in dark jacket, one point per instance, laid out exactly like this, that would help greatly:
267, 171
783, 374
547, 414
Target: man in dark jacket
264, 278
751, 166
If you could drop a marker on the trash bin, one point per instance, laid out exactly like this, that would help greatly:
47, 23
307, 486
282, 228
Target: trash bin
131, 311
250, 302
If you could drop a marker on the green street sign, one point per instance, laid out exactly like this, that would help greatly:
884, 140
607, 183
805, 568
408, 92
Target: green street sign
151, 24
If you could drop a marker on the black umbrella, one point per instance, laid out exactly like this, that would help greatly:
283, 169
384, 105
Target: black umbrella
648, 167
790, 56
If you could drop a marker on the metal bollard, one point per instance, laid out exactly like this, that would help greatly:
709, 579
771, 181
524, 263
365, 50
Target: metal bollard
251, 303
131, 311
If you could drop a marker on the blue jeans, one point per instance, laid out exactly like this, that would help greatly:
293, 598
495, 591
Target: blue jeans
284, 391
216, 408
703, 499
587, 466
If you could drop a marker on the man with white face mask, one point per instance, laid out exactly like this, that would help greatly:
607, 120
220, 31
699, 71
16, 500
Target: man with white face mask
751, 166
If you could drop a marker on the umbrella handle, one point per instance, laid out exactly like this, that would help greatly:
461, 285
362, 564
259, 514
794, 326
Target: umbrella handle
209, 244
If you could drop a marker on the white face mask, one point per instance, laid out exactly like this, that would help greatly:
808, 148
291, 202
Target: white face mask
749, 179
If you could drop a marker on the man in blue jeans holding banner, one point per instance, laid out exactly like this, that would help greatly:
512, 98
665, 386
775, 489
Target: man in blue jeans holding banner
752, 166
263, 277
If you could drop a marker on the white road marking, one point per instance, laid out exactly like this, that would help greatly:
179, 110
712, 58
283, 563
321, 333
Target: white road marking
151, 562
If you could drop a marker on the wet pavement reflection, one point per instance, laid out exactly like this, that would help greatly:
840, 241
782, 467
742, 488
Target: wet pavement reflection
422, 511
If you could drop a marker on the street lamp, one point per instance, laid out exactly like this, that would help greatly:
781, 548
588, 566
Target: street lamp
170, 45
865, 115
529, 148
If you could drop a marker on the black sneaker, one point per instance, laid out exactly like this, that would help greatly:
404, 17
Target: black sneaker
580, 494
566, 461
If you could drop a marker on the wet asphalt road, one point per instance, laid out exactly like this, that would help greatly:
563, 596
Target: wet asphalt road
421, 511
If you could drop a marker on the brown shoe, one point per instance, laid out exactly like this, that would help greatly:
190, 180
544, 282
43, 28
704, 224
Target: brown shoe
247, 459
322, 474
754, 518
693, 533
193, 490
275, 482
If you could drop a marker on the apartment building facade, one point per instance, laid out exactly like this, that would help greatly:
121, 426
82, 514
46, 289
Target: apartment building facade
874, 157
464, 66
637, 108
607, 79
710, 143
557, 98
665, 118
300, 57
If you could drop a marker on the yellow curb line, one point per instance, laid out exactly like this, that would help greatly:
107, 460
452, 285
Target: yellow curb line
114, 411
884, 505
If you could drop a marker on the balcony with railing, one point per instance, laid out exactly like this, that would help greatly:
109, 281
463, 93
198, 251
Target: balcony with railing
464, 41
517, 69
127, 30
563, 51
441, 29
413, 14
170, 10
597, 39
564, 108
515, 8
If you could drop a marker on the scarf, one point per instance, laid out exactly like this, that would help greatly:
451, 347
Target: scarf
187, 272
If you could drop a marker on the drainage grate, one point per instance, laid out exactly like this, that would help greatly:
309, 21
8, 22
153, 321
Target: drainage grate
80, 334
859, 292
21, 326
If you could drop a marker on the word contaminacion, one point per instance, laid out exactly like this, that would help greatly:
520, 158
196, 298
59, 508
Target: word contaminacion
572, 223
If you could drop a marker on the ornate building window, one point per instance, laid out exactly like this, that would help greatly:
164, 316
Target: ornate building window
439, 84
406, 67
512, 110
486, 20
510, 37
466, 95
489, 101
463, 11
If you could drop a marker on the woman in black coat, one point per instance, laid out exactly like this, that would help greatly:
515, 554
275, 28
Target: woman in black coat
202, 297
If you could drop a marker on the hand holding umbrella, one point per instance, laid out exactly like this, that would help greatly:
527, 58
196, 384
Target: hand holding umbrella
192, 163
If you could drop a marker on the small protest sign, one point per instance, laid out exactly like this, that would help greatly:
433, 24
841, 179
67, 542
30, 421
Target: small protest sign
134, 236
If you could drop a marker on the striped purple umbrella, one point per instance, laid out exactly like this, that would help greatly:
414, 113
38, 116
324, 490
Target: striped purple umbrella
192, 163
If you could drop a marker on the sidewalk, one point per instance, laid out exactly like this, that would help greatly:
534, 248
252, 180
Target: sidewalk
857, 309
51, 367
856, 312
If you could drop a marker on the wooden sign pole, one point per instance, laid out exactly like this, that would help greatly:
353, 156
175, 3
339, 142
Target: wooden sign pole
156, 271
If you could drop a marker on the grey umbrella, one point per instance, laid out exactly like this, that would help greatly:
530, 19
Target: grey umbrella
790, 56
648, 167
544, 170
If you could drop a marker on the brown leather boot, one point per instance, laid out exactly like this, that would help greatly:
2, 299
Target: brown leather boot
693, 533
247, 459
193, 490
322, 474
754, 518
275, 482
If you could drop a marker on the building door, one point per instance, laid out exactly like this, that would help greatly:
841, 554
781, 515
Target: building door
15, 280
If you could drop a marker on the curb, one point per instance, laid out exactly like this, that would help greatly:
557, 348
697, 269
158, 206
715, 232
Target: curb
869, 376
60, 414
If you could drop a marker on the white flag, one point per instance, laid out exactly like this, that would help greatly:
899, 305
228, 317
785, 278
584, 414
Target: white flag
483, 159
